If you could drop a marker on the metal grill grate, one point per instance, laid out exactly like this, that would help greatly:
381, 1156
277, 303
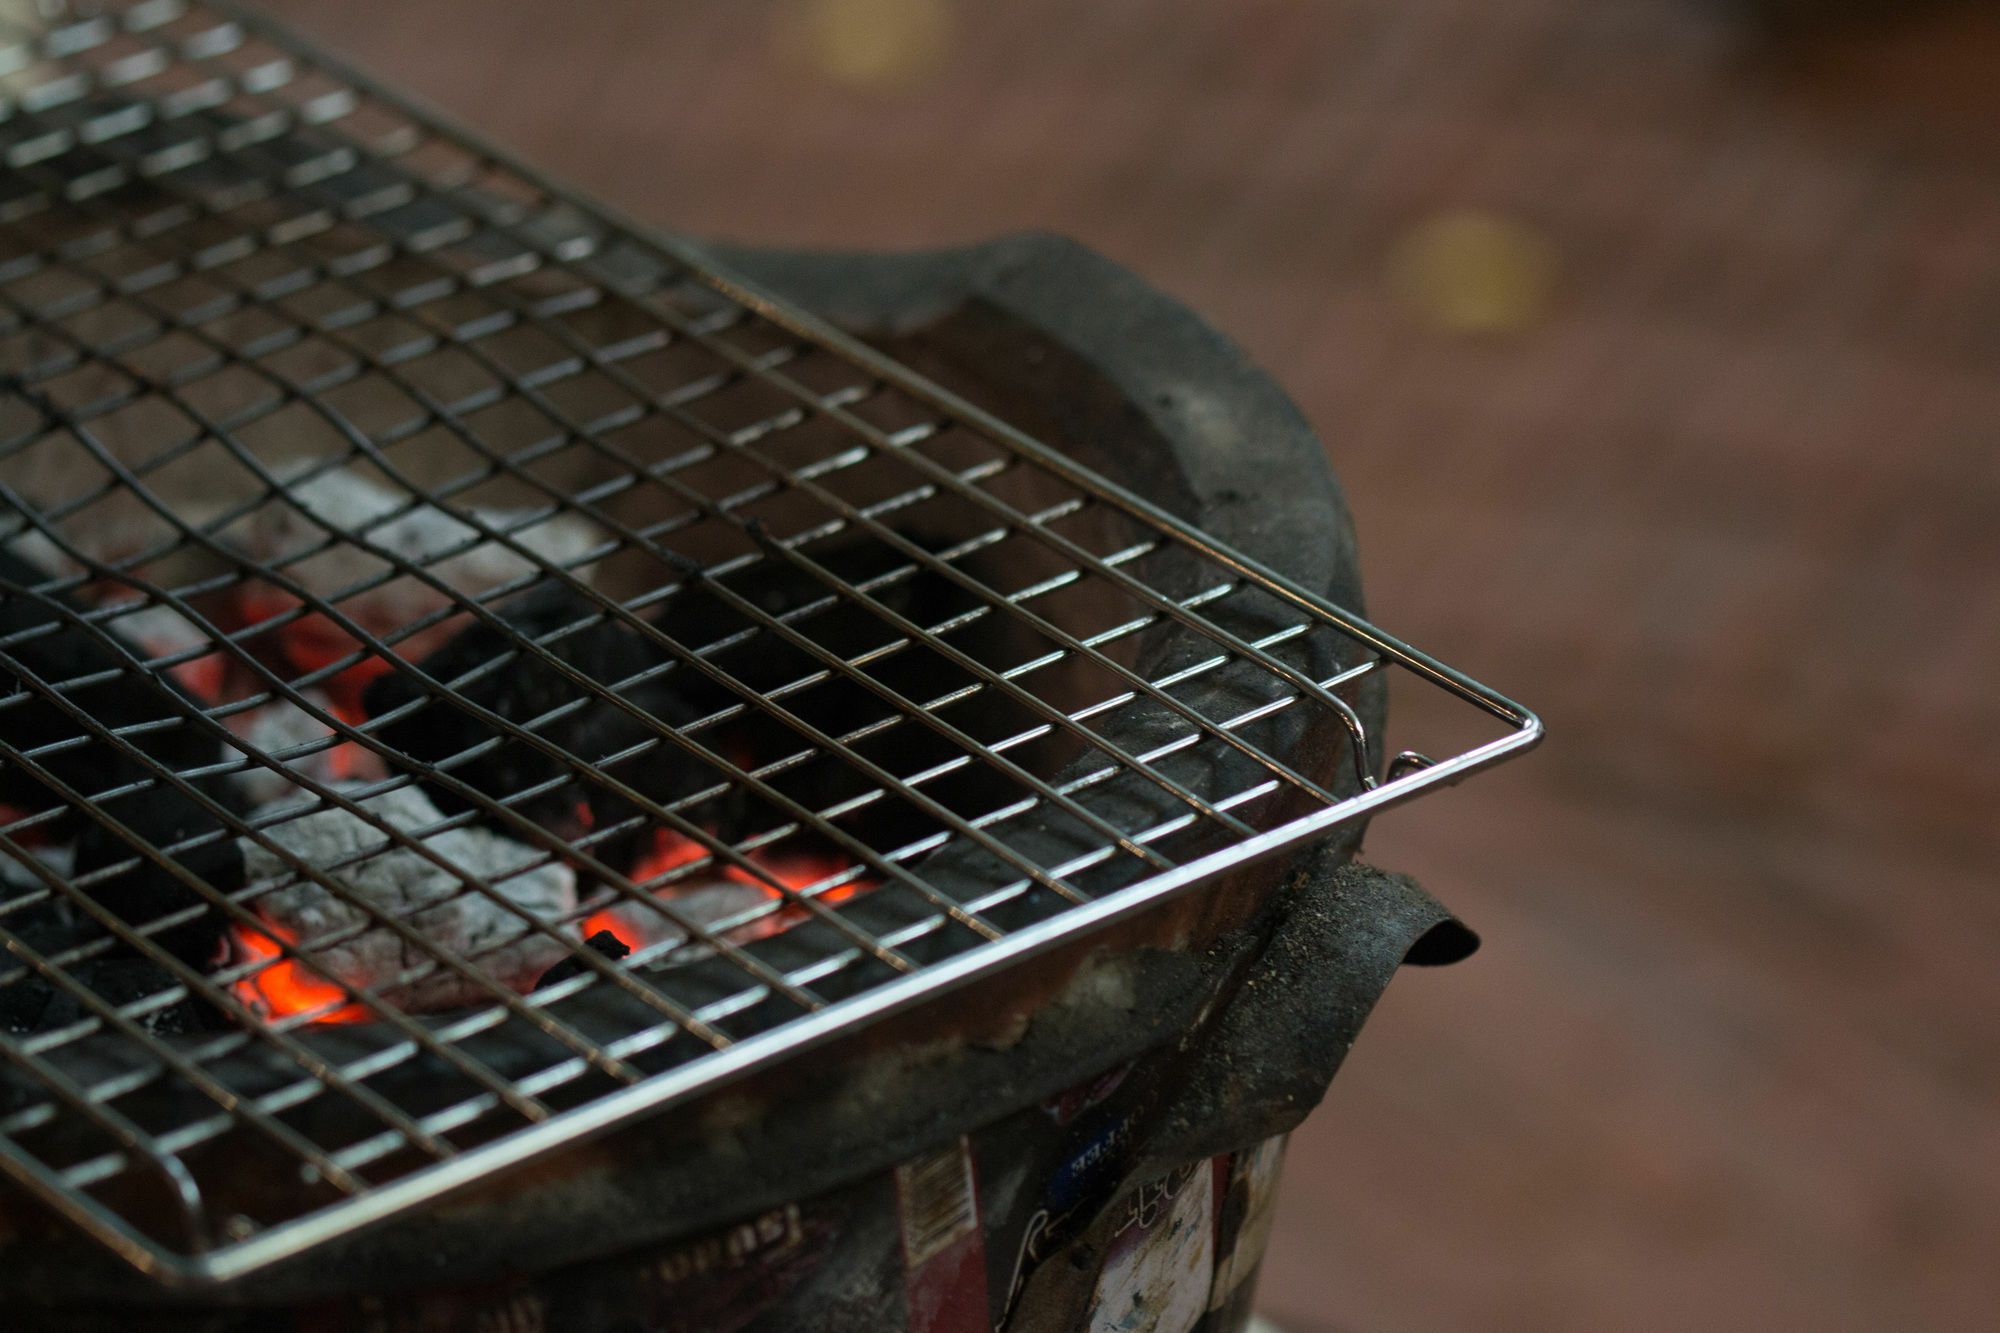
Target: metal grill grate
894, 695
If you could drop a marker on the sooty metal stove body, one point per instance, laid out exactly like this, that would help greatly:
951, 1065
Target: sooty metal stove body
1078, 943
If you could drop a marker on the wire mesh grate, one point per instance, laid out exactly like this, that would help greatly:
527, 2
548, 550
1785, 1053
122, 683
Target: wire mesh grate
477, 673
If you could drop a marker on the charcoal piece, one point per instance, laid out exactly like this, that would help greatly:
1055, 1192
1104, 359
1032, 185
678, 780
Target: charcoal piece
35, 1004
161, 631
524, 688
703, 615
17, 875
51, 926
36, 636
821, 618
280, 726
360, 514
603, 941
408, 886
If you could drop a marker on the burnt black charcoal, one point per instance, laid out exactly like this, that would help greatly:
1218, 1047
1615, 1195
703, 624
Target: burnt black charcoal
702, 616
44, 924
820, 621
35, 1004
709, 617
40, 639
527, 686
603, 941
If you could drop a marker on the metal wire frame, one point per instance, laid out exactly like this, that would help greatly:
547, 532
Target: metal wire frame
79, 168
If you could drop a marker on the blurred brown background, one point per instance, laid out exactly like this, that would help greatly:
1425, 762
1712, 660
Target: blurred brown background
1660, 351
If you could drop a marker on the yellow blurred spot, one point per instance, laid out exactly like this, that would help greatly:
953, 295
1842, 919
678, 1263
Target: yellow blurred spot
1472, 272
875, 44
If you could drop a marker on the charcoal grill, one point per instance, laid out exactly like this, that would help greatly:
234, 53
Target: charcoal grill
1014, 704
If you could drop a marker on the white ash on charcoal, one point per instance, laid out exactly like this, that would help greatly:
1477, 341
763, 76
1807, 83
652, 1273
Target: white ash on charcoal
164, 632
33, 547
362, 514
17, 877
281, 727
404, 884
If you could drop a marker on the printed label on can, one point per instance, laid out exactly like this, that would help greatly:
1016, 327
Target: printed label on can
944, 1251
1157, 1275
1254, 1178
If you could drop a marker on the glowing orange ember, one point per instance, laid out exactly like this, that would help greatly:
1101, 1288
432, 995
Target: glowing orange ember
313, 641
672, 851
204, 677
348, 760
284, 986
